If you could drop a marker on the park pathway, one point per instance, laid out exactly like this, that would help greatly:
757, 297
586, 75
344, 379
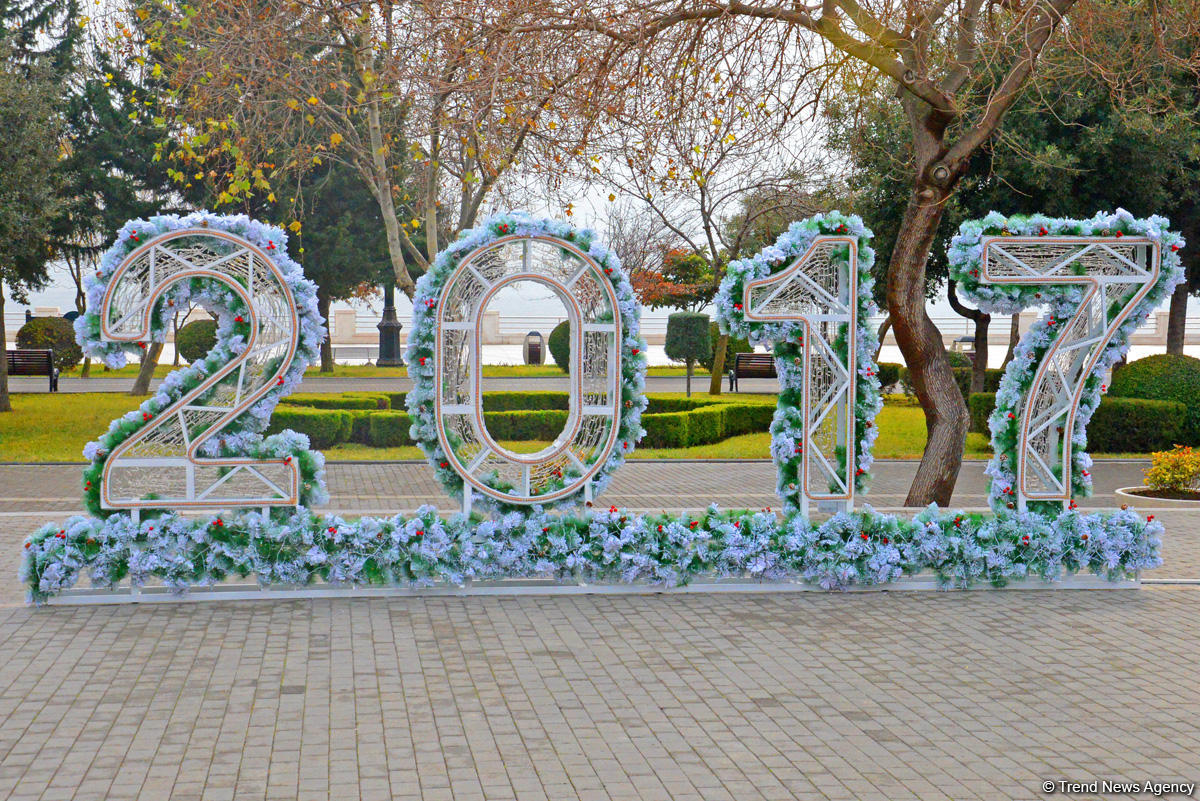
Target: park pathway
879, 696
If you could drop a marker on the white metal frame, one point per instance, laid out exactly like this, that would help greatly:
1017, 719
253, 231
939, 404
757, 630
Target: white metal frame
1115, 274
593, 423
924, 582
820, 291
162, 458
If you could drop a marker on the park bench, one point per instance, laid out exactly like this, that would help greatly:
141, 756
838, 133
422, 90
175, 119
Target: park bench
751, 365
34, 362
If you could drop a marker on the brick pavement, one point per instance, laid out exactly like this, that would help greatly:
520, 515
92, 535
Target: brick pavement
881, 696
892, 696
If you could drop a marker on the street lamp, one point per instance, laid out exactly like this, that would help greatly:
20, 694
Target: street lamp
389, 329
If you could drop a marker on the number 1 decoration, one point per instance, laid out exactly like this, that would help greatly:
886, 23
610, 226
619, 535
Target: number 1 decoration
809, 296
197, 445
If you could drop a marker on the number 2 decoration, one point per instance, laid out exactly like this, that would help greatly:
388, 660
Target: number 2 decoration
809, 295
196, 443
1100, 279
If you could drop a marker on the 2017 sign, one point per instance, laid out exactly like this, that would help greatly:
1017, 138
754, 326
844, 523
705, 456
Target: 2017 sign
198, 443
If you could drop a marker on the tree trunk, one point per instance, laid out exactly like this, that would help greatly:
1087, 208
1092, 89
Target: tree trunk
689, 378
1014, 337
714, 384
141, 385
1177, 319
383, 195
981, 321
884, 327
921, 343
5, 404
980, 360
86, 370
175, 339
323, 304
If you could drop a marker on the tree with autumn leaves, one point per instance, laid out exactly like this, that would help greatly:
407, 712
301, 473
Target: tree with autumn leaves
430, 104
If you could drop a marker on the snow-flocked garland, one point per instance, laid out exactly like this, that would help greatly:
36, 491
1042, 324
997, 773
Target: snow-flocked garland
788, 422
421, 356
849, 549
965, 261
243, 436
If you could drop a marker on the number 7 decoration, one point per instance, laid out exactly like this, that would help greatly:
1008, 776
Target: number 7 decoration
809, 295
1100, 279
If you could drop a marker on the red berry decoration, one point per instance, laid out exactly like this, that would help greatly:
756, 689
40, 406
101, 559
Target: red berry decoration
635, 351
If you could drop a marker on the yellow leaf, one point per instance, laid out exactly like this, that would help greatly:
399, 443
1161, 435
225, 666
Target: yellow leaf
611, 198
271, 197
335, 139
312, 101
294, 226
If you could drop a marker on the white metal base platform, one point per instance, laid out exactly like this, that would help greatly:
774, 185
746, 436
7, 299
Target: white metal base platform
529, 587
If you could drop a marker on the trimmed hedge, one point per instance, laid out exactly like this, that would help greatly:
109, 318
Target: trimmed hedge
347, 400
1164, 377
388, 429
195, 339
889, 373
1120, 425
559, 345
514, 416
324, 427
526, 424
511, 401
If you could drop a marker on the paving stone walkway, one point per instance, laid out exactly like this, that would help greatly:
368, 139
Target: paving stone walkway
930, 696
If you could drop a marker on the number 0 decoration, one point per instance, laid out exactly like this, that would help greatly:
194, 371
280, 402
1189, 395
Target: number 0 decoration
607, 373
187, 491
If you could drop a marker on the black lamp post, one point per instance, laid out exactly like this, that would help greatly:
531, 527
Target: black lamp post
389, 329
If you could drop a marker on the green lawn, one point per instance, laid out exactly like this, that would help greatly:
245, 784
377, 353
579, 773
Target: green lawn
54, 428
